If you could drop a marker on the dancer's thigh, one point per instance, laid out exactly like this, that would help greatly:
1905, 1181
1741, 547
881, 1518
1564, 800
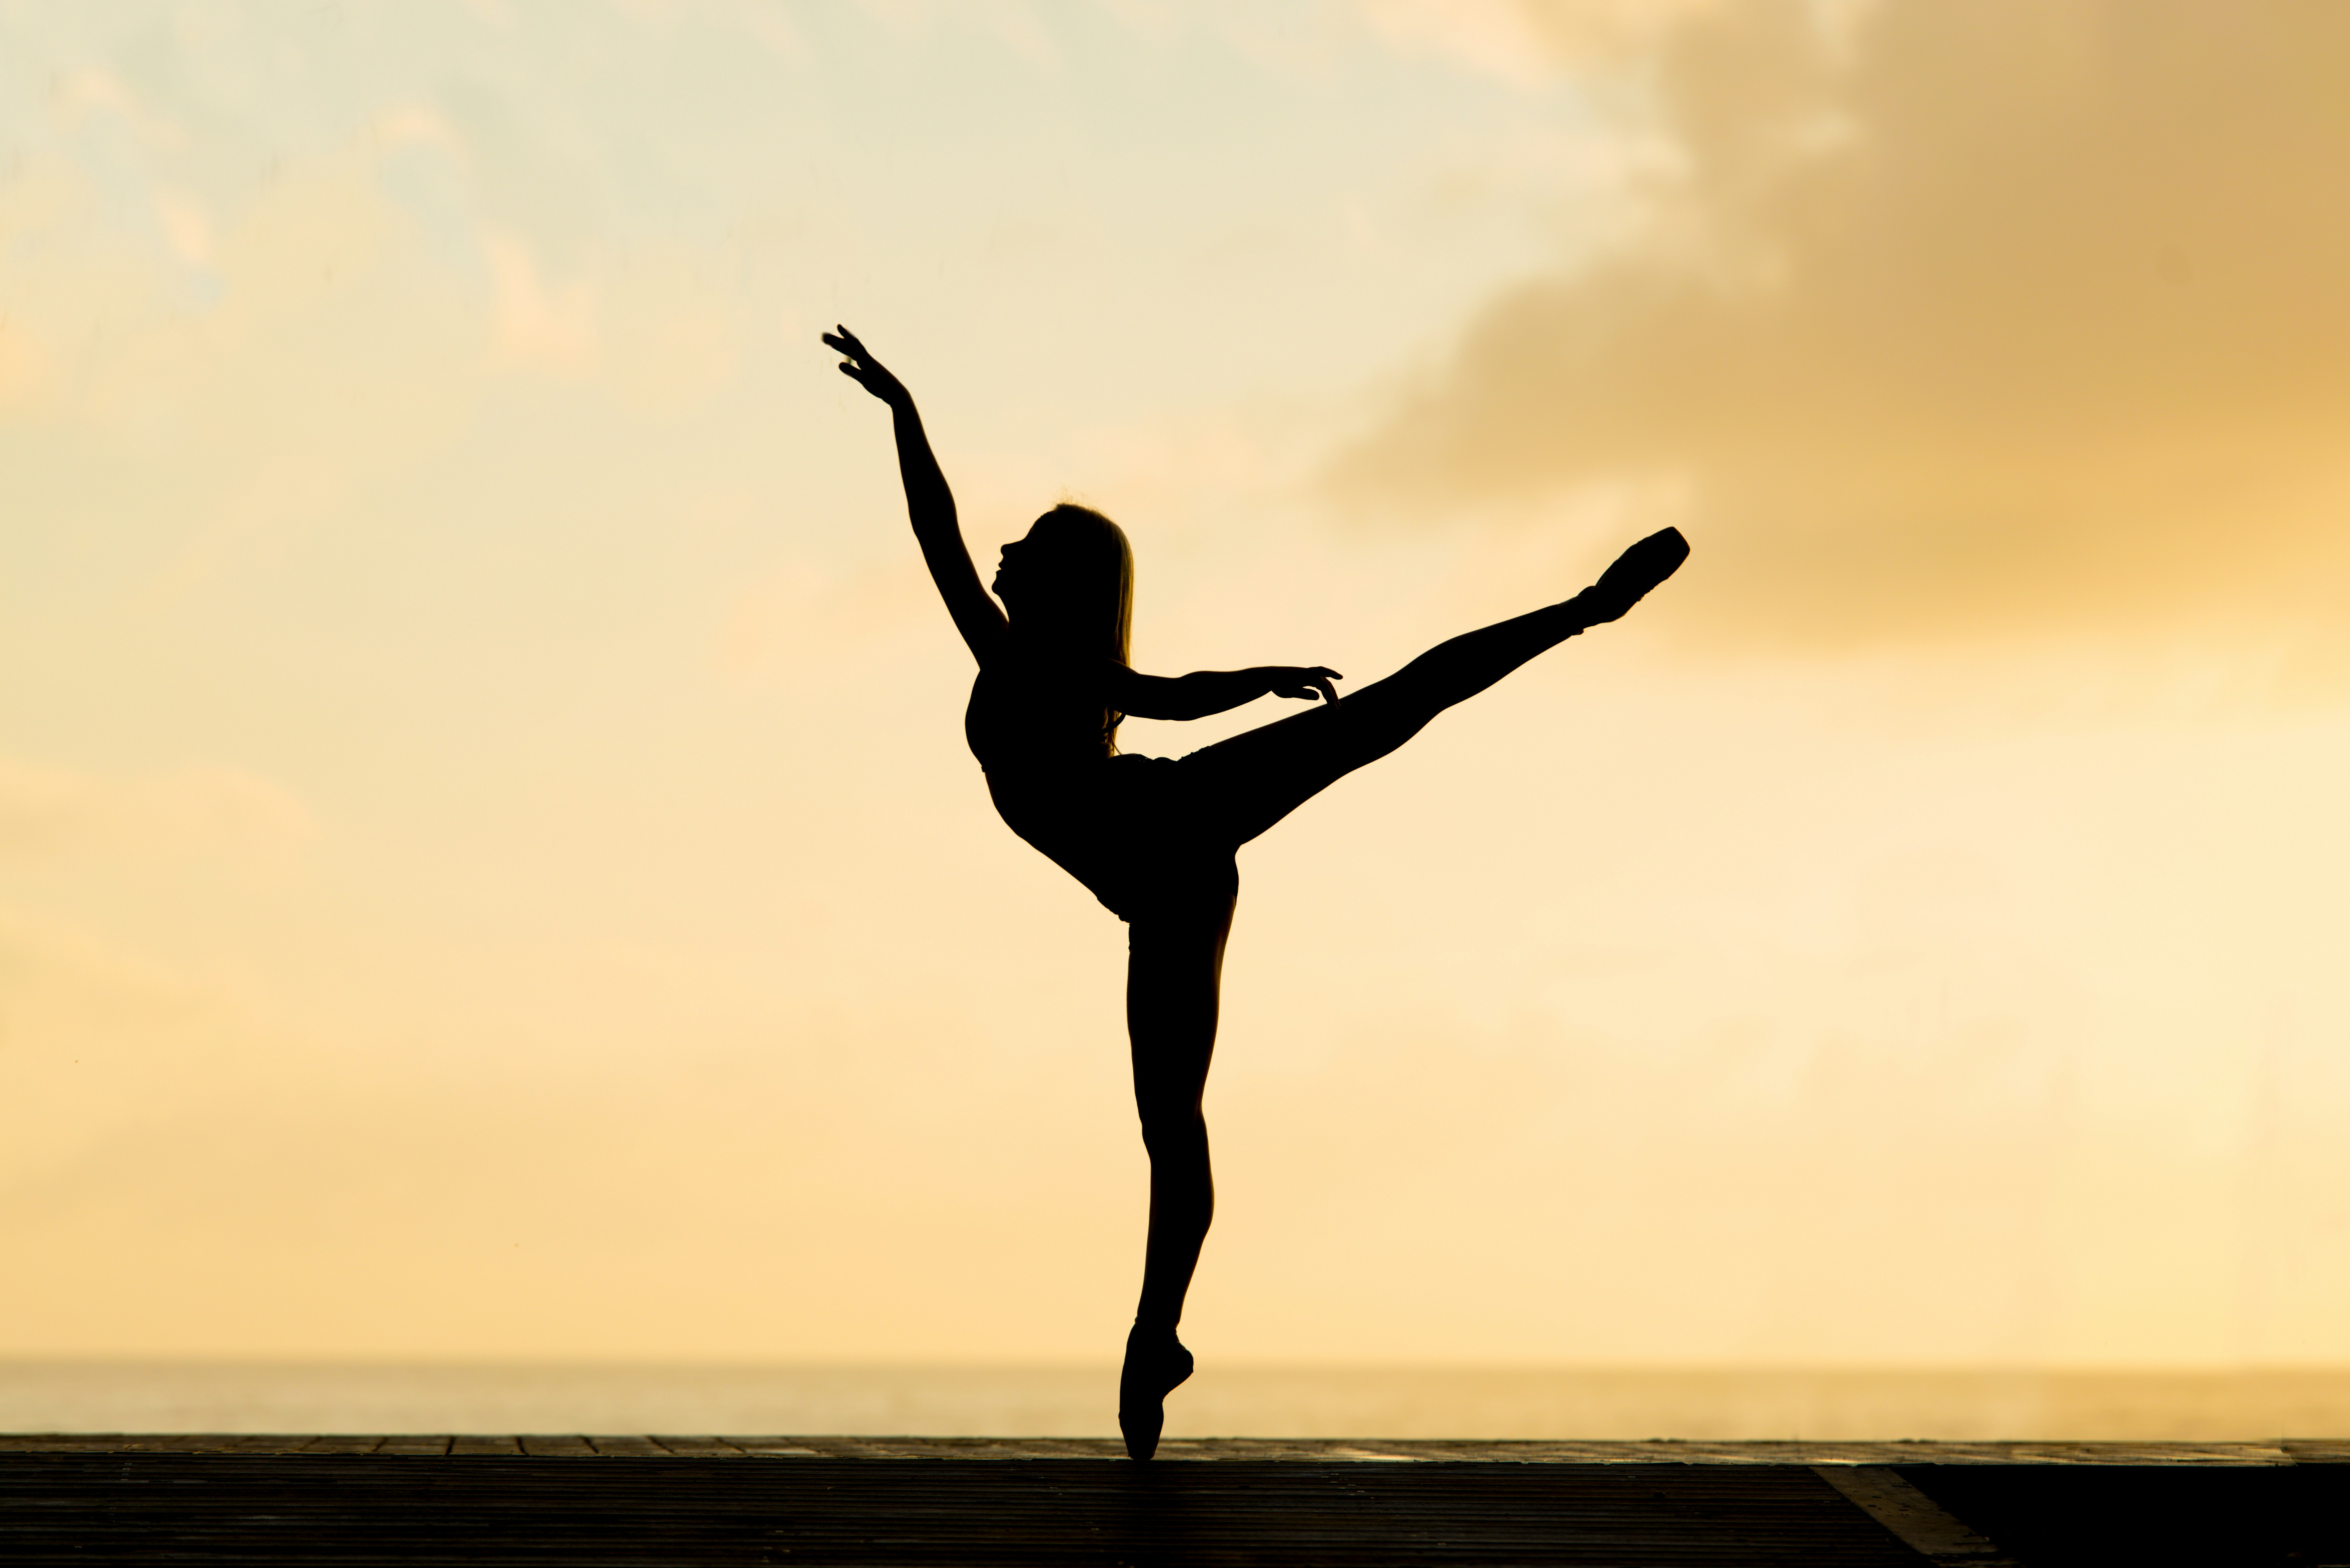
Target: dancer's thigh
1244, 786
1174, 974
1150, 853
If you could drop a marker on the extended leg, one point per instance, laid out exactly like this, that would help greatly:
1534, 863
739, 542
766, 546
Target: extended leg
1173, 975
1254, 780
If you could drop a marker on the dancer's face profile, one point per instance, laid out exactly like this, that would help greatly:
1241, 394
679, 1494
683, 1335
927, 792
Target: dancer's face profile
1042, 567
1013, 571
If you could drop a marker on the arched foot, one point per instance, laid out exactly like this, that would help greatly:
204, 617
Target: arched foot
1156, 1364
1634, 573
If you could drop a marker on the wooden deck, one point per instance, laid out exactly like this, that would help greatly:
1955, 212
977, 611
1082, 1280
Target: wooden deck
458, 1499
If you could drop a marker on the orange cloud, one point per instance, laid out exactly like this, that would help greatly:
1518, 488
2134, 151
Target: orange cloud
2018, 317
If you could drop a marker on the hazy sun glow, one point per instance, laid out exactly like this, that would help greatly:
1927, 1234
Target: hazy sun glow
488, 861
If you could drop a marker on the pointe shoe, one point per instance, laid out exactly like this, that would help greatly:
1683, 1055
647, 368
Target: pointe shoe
1154, 1368
1635, 572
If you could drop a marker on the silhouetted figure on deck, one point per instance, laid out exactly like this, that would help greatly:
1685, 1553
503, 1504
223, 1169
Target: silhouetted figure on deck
1152, 838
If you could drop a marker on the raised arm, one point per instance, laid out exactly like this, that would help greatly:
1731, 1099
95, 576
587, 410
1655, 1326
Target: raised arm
1206, 691
928, 503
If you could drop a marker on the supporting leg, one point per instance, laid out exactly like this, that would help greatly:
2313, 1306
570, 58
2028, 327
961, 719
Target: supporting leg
1173, 975
1230, 792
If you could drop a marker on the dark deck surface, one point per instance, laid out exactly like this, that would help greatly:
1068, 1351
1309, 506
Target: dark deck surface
647, 1501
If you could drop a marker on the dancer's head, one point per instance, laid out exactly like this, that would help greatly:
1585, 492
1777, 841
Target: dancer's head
1070, 583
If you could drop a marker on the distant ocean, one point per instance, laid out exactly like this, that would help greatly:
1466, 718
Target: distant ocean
1221, 1401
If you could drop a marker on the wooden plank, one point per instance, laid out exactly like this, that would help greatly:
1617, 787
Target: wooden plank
1923, 1525
2103, 1515
413, 1444
458, 1513
2311, 1451
2147, 1453
67, 1443
1039, 1503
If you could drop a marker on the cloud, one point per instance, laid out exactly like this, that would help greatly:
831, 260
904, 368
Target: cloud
1954, 321
1531, 41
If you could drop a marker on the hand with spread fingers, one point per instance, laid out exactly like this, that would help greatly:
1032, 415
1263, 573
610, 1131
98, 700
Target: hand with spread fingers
1305, 682
859, 366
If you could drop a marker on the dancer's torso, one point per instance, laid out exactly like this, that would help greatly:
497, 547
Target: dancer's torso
1116, 823
1031, 716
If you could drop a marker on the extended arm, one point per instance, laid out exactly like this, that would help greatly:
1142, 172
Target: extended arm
1206, 691
928, 503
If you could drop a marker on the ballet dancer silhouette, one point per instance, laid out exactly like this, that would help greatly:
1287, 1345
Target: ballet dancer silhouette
1153, 838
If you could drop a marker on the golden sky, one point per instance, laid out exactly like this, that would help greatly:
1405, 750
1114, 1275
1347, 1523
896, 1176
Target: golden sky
488, 863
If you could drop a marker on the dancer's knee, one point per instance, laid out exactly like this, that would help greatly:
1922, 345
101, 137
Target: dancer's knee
1179, 1134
